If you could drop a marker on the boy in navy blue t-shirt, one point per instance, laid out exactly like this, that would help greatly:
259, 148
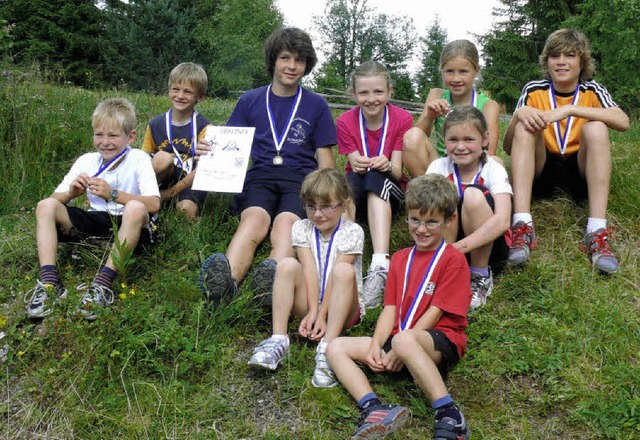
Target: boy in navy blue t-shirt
294, 135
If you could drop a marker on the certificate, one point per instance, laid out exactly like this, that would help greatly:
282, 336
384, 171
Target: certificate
224, 168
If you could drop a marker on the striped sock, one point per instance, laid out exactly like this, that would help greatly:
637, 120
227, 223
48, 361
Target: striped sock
105, 277
49, 275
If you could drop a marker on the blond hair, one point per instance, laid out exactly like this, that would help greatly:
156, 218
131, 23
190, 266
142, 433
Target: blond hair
460, 48
324, 186
118, 113
369, 68
192, 74
432, 193
565, 41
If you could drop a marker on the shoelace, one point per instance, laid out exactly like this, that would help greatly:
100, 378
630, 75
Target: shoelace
270, 346
37, 294
96, 294
601, 242
519, 233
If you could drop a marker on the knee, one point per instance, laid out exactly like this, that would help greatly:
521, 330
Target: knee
404, 343
343, 273
474, 198
47, 207
335, 349
412, 139
287, 265
595, 134
162, 162
135, 212
188, 208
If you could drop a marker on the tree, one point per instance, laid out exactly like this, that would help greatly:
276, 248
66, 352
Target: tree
60, 35
512, 46
612, 27
429, 75
352, 34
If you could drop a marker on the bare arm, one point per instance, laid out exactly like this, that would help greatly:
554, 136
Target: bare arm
434, 107
613, 117
325, 157
429, 319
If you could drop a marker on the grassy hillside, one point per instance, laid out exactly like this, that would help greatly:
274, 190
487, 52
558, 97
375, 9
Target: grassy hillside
554, 354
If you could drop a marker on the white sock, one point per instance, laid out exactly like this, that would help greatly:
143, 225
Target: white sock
593, 224
281, 337
381, 260
522, 217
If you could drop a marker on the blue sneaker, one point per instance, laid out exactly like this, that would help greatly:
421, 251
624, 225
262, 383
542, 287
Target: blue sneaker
380, 421
216, 281
449, 429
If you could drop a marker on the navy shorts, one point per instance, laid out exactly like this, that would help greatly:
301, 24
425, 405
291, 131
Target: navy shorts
197, 197
560, 173
500, 249
275, 191
378, 183
447, 349
99, 224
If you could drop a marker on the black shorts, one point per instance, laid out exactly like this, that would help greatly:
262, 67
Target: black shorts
275, 191
381, 184
99, 224
500, 249
447, 349
560, 173
197, 197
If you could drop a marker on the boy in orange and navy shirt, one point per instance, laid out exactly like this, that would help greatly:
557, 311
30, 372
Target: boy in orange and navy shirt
558, 137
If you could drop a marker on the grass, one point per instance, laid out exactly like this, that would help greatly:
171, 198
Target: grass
554, 354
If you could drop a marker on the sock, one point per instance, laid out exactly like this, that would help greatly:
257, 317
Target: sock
368, 401
481, 270
281, 337
381, 260
49, 275
105, 277
593, 224
522, 217
446, 407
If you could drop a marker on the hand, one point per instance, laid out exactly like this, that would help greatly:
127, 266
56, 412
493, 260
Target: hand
391, 362
374, 358
306, 324
203, 147
438, 108
360, 164
532, 119
99, 187
557, 114
381, 163
79, 185
319, 329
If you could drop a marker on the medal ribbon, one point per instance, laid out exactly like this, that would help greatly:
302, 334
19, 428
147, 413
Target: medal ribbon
194, 139
383, 135
278, 141
474, 99
562, 138
103, 166
405, 323
458, 181
324, 273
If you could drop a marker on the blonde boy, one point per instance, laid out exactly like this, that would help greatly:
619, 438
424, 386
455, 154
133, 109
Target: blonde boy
171, 138
121, 187
558, 137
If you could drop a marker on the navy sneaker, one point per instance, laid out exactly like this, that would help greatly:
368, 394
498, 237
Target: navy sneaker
262, 282
216, 281
380, 421
449, 429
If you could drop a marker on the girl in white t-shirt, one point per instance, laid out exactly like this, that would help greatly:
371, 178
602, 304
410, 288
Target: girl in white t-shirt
485, 194
323, 285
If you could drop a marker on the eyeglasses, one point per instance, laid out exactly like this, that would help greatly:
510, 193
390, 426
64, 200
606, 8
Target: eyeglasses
432, 226
325, 209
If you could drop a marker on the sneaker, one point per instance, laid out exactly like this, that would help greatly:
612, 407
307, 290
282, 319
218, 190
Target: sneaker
448, 429
216, 281
373, 287
36, 299
323, 376
95, 298
262, 282
269, 353
596, 245
380, 421
481, 287
521, 239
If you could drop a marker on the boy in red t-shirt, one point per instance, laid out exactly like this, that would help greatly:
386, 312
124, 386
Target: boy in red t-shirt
422, 325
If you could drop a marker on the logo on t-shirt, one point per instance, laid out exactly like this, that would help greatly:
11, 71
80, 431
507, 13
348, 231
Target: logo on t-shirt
431, 287
298, 132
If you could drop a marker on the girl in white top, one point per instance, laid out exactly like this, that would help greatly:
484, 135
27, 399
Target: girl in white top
323, 286
485, 195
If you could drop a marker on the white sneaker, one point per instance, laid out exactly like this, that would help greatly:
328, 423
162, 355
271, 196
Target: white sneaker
269, 353
481, 287
373, 287
323, 376
95, 298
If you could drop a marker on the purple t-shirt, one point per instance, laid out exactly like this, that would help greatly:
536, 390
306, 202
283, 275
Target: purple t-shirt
312, 128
